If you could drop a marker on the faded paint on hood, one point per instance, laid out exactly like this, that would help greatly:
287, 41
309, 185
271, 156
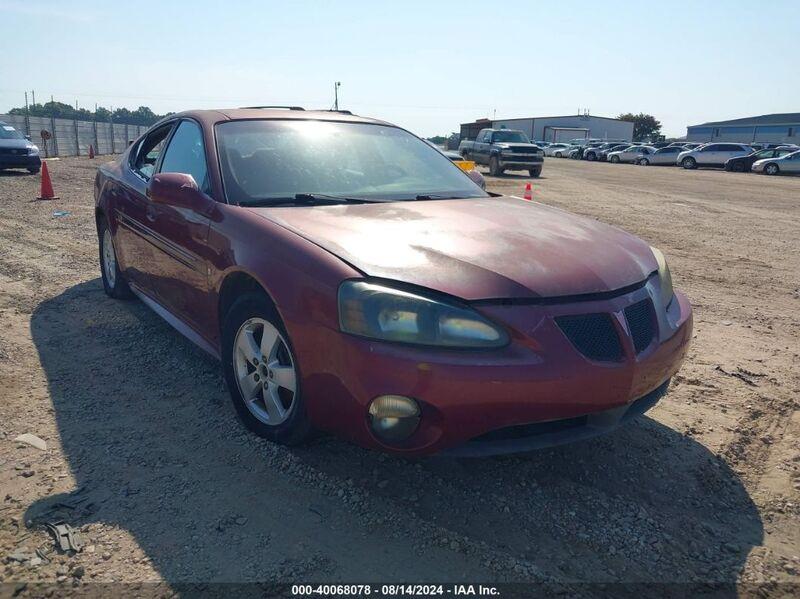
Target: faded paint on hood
478, 248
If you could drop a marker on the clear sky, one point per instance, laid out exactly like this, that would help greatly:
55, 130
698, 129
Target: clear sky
427, 66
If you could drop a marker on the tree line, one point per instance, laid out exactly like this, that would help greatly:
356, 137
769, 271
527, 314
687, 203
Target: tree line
141, 116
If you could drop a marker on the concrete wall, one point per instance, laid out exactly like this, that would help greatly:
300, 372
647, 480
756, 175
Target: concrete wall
73, 138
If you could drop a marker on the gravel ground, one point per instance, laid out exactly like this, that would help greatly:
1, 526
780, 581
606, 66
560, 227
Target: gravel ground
145, 458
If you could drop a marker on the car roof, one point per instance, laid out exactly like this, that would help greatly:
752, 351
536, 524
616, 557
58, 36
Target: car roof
213, 116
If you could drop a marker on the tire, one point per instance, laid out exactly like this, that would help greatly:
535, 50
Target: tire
689, 163
114, 283
535, 172
737, 167
33, 171
558, 155
591, 157
494, 167
249, 318
772, 169
614, 160
644, 162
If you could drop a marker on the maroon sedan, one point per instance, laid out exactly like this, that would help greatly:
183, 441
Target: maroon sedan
352, 279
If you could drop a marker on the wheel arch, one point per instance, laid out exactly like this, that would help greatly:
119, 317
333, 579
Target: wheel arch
233, 285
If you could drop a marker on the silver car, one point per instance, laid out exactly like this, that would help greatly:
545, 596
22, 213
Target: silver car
662, 156
558, 150
790, 163
630, 154
713, 154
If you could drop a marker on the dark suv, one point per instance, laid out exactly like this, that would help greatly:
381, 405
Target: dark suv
16, 151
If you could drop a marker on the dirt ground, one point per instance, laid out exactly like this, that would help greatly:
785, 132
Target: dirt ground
146, 459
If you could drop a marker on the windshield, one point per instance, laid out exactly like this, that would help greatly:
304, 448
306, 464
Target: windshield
265, 160
8, 132
510, 136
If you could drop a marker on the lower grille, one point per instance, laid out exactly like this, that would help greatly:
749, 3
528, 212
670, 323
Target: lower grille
593, 335
14, 151
640, 323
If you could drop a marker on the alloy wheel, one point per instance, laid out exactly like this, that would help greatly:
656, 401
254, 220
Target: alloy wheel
265, 371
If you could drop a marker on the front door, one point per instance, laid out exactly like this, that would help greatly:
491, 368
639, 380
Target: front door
180, 235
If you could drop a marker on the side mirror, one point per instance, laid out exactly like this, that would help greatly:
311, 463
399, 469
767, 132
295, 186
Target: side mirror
28, 137
178, 190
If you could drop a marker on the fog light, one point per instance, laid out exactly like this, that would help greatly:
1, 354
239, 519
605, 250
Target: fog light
394, 417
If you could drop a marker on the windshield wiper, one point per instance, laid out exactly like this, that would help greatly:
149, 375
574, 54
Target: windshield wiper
435, 196
314, 197
309, 199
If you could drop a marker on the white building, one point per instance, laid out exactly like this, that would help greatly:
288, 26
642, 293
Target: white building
557, 128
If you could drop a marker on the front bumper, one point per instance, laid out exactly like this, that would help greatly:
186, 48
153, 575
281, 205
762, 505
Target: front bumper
20, 161
520, 163
539, 377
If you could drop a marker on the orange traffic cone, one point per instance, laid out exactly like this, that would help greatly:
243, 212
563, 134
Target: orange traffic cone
47, 186
528, 192
91, 151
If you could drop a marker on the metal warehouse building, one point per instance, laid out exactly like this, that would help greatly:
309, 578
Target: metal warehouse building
557, 128
767, 128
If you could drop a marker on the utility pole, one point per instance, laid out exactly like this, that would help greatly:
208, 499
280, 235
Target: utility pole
27, 117
336, 95
33, 97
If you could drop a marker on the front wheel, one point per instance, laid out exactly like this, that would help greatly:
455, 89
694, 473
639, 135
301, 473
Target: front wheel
535, 172
644, 162
262, 373
33, 171
771, 169
591, 157
494, 167
689, 163
558, 154
615, 160
114, 283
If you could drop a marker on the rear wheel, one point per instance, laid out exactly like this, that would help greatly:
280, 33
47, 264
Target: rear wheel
262, 373
114, 283
591, 157
771, 169
494, 167
558, 154
644, 162
689, 163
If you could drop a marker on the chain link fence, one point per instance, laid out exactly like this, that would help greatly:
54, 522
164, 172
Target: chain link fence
69, 137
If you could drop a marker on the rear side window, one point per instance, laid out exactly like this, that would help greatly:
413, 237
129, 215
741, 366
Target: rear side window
186, 154
149, 151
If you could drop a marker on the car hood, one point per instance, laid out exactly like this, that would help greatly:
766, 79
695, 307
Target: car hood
20, 144
482, 248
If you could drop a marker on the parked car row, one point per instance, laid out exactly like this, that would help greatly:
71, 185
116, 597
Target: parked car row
770, 159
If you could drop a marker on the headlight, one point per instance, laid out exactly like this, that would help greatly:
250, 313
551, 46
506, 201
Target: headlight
664, 277
33, 150
381, 312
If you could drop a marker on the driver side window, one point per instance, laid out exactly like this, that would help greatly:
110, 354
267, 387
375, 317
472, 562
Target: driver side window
149, 151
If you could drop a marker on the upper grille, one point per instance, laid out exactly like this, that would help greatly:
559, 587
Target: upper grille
593, 335
14, 151
640, 323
